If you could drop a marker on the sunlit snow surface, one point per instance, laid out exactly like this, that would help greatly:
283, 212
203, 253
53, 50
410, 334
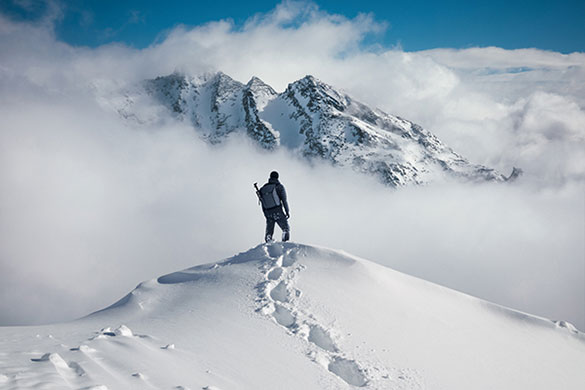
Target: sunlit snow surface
291, 316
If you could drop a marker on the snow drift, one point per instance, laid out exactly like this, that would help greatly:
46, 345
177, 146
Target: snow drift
292, 316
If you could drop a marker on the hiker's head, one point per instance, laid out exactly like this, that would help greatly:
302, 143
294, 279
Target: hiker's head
274, 175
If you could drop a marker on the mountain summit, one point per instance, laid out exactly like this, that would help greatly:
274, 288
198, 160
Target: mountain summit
310, 118
292, 316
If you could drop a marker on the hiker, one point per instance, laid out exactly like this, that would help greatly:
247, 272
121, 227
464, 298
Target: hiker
272, 196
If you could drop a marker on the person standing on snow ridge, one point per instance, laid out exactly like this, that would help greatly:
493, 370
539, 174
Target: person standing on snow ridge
273, 199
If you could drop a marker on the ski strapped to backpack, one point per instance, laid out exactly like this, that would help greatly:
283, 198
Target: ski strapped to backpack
259, 194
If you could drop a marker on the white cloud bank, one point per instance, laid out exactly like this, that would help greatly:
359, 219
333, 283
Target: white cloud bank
89, 206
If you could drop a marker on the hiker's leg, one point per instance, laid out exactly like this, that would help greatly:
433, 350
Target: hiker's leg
283, 224
269, 229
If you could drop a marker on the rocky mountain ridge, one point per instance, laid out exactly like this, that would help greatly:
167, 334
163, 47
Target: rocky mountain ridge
310, 118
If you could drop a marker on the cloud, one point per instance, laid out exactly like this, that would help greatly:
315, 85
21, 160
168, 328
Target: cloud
90, 205
471, 98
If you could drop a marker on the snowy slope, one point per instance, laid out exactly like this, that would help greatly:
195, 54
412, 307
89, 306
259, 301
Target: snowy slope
310, 118
291, 316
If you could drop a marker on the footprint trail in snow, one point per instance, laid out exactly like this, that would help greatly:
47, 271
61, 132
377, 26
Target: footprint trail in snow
278, 299
293, 316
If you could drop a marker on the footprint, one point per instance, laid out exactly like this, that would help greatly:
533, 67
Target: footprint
103, 334
83, 348
279, 293
43, 358
283, 316
275, 273
59, 363
320, 337
289, 258
347, 370
274, 250
123, 330
566, 325
76, 368
65, 370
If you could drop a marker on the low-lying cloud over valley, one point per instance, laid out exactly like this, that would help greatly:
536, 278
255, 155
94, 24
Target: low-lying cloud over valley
91, 204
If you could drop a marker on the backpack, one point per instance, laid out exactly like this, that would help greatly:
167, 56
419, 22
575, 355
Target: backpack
270, 197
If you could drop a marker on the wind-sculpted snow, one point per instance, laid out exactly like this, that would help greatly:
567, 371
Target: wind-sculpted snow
309, 118
292, 316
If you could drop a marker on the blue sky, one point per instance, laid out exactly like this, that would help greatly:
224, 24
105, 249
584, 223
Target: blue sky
414, 24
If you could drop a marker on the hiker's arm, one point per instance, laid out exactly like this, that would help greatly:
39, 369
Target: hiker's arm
282, 195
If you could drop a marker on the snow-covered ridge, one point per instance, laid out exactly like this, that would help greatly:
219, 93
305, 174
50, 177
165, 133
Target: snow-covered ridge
292, 316
310, 118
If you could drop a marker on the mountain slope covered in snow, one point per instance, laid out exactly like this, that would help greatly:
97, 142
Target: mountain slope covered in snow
291, 316
310, 118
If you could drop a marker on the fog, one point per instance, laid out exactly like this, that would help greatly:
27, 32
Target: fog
91, 205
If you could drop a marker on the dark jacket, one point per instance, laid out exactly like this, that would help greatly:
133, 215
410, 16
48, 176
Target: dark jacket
280, 191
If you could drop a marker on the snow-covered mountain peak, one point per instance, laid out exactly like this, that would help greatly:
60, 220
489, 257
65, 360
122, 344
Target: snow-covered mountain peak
211, 77
318, 94
309, 80
293, 316
312, 119
224, 82
260, 92
257, 83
